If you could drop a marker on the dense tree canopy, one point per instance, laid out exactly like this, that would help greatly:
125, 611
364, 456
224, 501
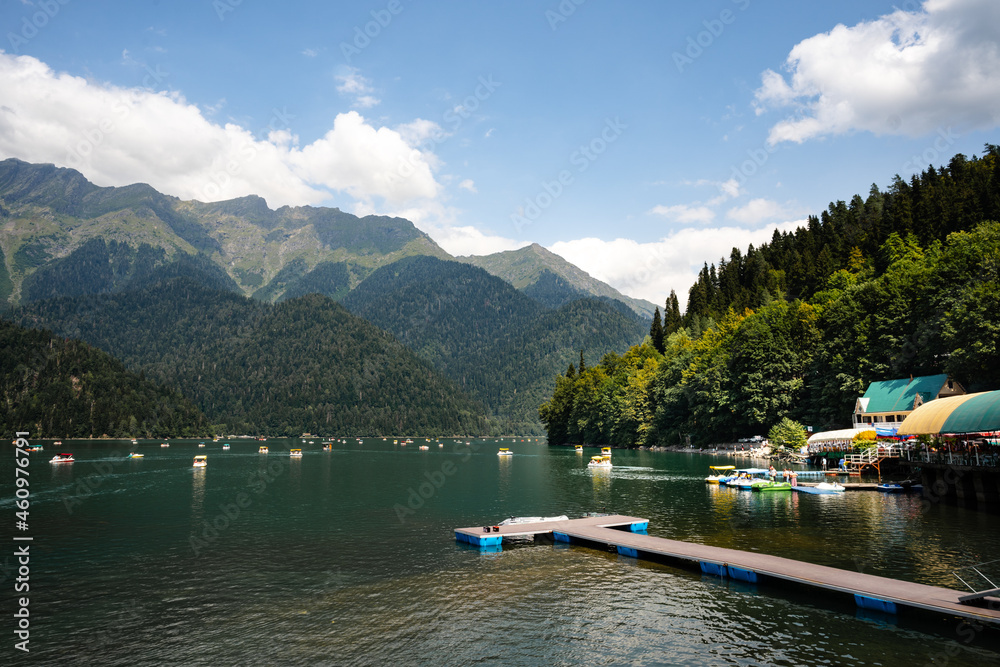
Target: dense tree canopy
905, 282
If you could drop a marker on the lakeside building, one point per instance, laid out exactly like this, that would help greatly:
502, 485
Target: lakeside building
887, 403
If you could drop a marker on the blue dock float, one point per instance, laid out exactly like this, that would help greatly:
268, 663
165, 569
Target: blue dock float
627, 536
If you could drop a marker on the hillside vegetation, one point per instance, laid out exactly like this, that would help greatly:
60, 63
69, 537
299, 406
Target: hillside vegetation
905, 282
60, 388
305, 365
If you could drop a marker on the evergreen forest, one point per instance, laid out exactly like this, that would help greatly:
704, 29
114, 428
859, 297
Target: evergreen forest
903, 282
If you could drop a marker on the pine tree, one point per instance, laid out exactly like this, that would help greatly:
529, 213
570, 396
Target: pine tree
656, 331
671, 315
583, 366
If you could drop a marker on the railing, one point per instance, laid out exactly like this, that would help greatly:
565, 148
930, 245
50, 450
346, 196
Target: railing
873, 454
975, 574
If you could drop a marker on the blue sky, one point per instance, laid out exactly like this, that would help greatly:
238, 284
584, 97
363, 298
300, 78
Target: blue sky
637, 140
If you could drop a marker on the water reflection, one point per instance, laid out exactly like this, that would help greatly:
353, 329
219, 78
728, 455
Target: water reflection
197, 494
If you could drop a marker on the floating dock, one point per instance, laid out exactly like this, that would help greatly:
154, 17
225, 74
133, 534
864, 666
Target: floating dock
627, 536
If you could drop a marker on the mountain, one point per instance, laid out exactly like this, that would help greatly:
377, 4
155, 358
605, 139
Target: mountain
491, 339
550, 279
63, 388
304, 365
49, 215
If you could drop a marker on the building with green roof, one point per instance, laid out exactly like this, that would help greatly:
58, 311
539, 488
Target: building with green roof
887, 403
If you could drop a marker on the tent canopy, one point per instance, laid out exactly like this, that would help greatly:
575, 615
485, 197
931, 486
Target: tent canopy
971, 413
843, 434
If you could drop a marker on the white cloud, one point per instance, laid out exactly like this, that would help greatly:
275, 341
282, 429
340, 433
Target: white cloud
684, 213
650, 270
118, 136
470, 241
756, 211
908, 72
310, 53
468, 184
354, 85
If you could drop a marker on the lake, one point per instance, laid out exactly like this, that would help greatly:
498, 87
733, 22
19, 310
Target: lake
349, 557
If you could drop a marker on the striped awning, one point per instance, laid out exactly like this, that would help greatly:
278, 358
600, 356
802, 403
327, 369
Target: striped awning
970, 413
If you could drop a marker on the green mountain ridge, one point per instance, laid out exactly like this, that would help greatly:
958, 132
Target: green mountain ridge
48, 213
494, 341
526, 267
61, 388
305, 365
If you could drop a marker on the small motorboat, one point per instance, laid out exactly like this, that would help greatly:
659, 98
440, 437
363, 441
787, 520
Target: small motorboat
328, 447
163, 444
579, 449
605, 451
295, 453
62, 458
33, 448
133, 455
772, 486
201, 444
516, 520
830, 487
200, 461
57, 442
721, 473
900, 487
600, 462
262, 450
226, 446
424, 447
505, 452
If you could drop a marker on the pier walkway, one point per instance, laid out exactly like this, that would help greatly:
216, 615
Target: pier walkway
627, 535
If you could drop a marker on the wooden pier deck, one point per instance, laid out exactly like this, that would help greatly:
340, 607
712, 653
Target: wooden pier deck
618, 532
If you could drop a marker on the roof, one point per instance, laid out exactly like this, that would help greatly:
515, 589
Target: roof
971, 413
901, 395
843, 434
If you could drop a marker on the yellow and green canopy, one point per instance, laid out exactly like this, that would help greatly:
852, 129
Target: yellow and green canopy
970, 413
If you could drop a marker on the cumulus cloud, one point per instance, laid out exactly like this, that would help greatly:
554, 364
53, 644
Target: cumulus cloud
468, 184
650, 270
468, 240
759, 210
118, 136
354, 85
685, 213
908, 73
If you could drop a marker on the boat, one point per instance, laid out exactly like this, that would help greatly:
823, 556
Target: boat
33, 448
133, 455
505, 452
722, 472
262, 450
605, 451
295, 452
599, 462
328, 447
517, 520
900, 487
424, 447
62, 458
163, 444
57, 442
200, 461
745, 478
134, 441
579, 449
831, 487
226, 446
772, 486
201, 444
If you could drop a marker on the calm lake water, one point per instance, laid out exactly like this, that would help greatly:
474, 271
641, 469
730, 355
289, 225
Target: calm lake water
338, 558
